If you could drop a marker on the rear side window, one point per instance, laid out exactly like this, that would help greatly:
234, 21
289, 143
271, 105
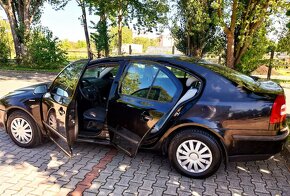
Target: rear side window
163, 88
146, 80
236, 77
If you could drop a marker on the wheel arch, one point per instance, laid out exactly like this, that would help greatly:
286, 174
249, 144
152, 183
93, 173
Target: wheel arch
14, 109
168, 136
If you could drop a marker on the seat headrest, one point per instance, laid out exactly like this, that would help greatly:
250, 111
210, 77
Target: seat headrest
190, 80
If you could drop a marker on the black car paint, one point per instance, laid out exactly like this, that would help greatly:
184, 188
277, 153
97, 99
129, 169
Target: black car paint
25, 99
227, 112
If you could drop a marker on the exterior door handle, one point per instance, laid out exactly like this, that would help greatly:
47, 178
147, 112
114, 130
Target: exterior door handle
61, 111
146, 116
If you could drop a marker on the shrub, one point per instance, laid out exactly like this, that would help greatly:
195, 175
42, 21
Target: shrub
4, 46
44, 50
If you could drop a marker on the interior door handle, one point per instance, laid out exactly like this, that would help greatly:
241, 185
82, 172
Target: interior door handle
61, 111
146, 116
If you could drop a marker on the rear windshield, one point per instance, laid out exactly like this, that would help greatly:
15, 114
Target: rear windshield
236, 77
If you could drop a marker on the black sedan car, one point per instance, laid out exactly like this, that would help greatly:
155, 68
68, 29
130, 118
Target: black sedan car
199, 114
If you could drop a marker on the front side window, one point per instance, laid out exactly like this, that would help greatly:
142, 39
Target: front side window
66, 82
148, 81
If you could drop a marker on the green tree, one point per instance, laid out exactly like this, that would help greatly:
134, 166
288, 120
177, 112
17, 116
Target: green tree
66, 44
44, 50
4, 47
102, 8
284, 42
145, 42
21, 14
5, 41
145, 14
83, 4
253, 57
288, 14
101, 37
127, 36
194, 27
240, 20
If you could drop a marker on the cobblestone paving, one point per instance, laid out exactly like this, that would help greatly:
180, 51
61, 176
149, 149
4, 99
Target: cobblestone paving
101, 170
45, 170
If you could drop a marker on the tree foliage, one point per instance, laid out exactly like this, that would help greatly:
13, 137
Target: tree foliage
127, 36
104, 9
240, 20
83, 4
253, 57
44, 50
284, 42
5, 40
101, 38
145, 15
21, 15
194, 28
145, 42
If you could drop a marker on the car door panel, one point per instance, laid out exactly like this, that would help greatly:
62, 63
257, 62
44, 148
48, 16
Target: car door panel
130, 117
59, 107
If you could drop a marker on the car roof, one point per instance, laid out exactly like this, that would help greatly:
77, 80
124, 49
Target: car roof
166, 58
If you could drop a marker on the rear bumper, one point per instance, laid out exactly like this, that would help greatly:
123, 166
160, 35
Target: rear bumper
284, 134
250, 148
2, 119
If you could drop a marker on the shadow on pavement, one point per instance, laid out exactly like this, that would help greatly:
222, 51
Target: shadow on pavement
46, 170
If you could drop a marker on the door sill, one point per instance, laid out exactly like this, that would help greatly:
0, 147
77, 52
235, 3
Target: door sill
95, 141
103, 135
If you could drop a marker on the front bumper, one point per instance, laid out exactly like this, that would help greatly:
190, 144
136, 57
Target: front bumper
2, 119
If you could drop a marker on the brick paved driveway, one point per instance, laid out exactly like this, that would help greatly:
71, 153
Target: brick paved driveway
101, 170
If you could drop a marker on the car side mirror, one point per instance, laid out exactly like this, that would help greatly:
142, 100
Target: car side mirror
40, 89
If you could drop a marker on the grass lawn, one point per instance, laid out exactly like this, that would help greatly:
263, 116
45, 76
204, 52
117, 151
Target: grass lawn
13, 67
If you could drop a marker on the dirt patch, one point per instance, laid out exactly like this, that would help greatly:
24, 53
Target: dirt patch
263, 70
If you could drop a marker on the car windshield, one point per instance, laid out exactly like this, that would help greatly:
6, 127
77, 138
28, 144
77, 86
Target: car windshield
235, 76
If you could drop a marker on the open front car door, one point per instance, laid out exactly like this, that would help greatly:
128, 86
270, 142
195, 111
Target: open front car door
59, 107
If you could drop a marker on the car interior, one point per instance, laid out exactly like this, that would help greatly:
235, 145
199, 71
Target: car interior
94, 90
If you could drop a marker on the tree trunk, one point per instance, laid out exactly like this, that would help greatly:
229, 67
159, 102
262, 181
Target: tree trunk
230, 50
24, 17
84, 20
13, 26
188, 52
120, 20
197, 52
270, 65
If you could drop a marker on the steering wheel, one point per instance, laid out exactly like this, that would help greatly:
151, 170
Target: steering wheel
89, 91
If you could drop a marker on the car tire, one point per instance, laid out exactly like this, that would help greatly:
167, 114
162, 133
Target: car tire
195, 153
23, 130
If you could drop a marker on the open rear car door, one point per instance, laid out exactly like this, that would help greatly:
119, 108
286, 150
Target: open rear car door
142, 103
59, 108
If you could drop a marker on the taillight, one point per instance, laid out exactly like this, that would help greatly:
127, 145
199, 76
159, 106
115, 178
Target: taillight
278, 113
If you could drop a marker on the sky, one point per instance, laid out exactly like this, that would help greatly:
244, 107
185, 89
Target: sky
64, 24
